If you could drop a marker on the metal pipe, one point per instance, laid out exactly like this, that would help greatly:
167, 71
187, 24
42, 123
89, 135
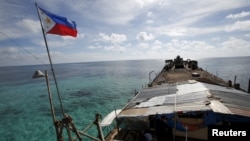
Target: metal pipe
235, 79
59, 137
89, 136
85, 129
149, 76
51, 64
99, 128
50, 97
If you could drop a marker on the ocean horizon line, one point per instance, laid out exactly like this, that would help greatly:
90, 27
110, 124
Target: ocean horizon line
58, 63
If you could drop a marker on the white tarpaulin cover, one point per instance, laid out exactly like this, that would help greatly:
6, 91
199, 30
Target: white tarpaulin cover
110, 117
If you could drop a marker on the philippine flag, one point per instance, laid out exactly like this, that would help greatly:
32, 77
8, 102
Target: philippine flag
54, 24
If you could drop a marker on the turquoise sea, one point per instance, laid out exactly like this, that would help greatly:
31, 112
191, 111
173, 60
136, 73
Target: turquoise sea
86, 89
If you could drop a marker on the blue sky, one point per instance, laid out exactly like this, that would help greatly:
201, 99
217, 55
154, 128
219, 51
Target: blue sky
125, 30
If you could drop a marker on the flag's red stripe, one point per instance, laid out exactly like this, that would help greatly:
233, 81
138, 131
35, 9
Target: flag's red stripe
64, 30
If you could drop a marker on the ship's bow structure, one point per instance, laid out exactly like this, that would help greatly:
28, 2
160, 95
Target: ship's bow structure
192, 100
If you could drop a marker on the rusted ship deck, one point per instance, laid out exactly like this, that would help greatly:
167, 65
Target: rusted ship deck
186, 70
184, 74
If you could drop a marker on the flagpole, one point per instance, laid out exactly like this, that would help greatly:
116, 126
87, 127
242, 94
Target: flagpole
51, 65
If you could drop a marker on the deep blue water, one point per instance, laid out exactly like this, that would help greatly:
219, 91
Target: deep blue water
228, 68
86, 89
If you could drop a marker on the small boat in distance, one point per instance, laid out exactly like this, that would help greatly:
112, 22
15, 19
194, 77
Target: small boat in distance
196, 103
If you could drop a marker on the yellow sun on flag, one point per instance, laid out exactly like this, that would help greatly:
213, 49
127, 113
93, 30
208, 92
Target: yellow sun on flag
47, 20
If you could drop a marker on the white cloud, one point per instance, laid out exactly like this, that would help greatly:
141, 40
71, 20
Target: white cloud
117, 48
113, 11
239, 15
187, 48
247, 35
173, 31
143, 45
150, 14
157, 45
79, 35
24, 28
239, 25
70, 38
181, 31
144, 36
235, 46
95, 46
149, 22
113, 38
145, 3
9, 50
30, 25
216, 39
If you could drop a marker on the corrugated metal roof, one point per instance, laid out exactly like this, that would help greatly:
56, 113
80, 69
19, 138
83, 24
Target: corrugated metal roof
188, 96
